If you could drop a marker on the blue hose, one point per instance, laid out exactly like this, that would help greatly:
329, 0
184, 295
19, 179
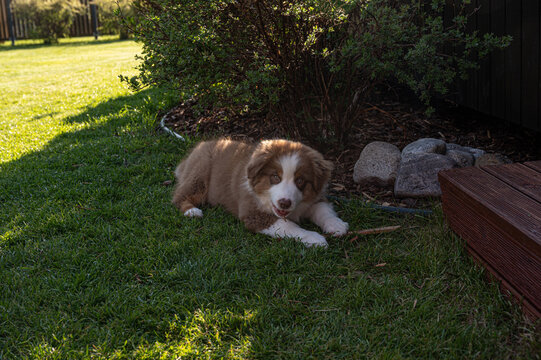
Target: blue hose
395, 209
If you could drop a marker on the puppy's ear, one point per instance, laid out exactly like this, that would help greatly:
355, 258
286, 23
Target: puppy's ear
322, 171
260, 157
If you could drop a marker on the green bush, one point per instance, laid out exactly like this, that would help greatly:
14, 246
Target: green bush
314, 63
52, 19
110, 13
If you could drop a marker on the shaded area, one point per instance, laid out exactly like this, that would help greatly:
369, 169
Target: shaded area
95, 260
388, 120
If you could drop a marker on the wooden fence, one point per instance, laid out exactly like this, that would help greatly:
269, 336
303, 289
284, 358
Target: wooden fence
82, 25
508, 84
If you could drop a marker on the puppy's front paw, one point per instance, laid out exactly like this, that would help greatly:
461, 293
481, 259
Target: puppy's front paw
312, 238
335, 226
194, 212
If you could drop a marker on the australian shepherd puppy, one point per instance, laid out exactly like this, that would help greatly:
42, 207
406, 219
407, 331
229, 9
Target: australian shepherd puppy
269, 186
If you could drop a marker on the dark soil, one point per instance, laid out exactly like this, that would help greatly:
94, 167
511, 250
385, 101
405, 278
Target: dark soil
391, 121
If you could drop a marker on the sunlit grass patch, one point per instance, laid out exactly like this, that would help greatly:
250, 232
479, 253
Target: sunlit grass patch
43, 85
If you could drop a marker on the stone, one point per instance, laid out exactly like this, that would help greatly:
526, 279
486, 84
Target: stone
492, 159
476, 153
418, 175
377, 164
423, 146
462, 158
453, 146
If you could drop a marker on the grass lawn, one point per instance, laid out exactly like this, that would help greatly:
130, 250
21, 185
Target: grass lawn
96, 263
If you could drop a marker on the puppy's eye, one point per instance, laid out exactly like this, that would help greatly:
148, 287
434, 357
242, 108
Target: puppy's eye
275, 179
299, 182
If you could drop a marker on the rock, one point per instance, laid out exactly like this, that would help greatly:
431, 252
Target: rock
462, 158
377, 164
477, 153
418, 175
492, 159
474, 151
423, 146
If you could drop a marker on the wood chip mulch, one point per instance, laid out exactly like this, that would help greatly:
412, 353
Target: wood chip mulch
389, 121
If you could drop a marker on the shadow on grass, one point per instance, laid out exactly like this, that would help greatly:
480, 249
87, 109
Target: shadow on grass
123, 106
72, 42
95, 259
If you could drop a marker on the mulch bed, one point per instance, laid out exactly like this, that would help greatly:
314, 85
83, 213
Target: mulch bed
387, 120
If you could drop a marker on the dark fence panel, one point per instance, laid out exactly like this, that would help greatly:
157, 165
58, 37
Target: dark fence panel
82, 24
508, 83
4, 30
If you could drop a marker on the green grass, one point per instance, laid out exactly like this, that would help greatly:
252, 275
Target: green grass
96, 263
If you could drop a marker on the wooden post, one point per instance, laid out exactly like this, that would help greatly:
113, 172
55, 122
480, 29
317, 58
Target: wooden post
11, 23
94, 19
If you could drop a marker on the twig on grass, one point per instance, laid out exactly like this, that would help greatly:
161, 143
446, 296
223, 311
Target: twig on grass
379, 230
375, 230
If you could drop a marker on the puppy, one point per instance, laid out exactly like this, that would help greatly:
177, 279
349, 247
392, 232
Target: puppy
269, 186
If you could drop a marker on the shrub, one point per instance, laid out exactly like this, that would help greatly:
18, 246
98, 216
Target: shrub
313, 62
52, 19
110, 12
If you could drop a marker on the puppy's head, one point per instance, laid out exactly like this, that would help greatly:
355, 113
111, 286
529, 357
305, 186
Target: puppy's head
282, 174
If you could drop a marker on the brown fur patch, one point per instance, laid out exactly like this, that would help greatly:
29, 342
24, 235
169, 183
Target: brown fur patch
257, 220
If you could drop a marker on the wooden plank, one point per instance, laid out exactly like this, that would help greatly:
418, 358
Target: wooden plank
530, 63
19, 31
484, 87
448, 15
536, 165
513, 63
4, 31
513, 212
74, 27
472, 83
506, 287
85, 20
512, 263
492, 240
497, 61
522, 178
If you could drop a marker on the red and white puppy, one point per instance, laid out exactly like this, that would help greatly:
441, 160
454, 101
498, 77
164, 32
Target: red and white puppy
269, 186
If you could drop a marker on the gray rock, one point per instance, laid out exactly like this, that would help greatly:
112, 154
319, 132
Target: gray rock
423, 146
477, 153
418, 175
474, 151
492, 159
377, 164
453, 146
462, 158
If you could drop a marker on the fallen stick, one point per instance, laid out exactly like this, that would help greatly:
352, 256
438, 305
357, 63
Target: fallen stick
370, 231
375, 230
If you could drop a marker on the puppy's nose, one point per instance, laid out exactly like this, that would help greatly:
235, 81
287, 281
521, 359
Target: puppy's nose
284, 203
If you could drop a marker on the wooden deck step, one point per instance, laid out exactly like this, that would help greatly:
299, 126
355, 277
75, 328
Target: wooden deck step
497, 210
